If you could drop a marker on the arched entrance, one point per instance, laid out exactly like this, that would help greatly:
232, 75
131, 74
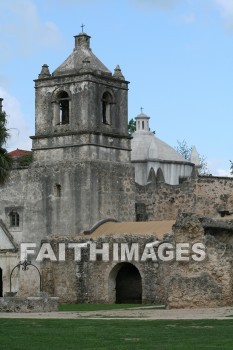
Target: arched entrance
126, 283
1, 283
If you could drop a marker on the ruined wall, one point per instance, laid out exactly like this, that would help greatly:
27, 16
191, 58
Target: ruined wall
201, 195
213, 193
177, 284
207, 283
101, 275
88, 281
40, 303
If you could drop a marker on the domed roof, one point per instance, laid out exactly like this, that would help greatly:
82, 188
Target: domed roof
142, 115
146, 146
81, 58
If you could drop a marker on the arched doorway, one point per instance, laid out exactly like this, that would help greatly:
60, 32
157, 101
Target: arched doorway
128, 284
1, 283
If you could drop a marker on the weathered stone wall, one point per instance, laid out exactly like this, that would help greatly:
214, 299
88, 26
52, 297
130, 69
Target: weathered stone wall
29, 304
101, 275
178, 284
163, 202
62, 200
213, 193
85, 92
88, 281
91, 191
8, 260
202, 196
87, 193
208, 283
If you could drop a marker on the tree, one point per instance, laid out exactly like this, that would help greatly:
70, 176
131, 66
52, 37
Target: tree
131, 126
185, 151
5, 159
231, 167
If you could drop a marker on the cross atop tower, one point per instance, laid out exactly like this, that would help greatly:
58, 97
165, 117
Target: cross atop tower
141, 110
82, 26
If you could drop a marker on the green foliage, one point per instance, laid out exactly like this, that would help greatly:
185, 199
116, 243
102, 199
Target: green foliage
25, 160
4, 134
5, 165
185, 150
131, 126
5, 160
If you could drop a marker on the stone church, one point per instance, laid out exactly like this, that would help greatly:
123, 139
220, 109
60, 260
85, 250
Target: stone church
90, 182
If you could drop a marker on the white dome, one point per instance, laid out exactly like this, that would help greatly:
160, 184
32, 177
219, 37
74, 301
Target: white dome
146, 146
149, 153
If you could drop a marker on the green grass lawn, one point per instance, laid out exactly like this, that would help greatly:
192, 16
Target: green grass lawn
100, 307
25, 334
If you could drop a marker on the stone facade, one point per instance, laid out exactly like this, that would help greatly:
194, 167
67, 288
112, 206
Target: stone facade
81, 174
176, 284
88, 281
81, 171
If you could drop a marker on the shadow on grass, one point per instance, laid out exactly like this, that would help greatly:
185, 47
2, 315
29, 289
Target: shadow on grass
101, 307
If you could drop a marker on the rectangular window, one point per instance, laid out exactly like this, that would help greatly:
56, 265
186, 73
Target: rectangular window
14, 219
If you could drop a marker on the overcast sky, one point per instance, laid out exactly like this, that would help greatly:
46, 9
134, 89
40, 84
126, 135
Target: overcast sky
177, 55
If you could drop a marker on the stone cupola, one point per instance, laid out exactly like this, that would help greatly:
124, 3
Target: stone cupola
142, 122
81, 55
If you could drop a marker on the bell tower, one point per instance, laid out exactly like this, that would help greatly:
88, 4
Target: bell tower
81, 140
81, 104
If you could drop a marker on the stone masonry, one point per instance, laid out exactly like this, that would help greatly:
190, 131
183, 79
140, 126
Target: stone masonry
82, 174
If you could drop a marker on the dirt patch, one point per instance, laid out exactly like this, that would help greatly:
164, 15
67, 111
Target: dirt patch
139, 313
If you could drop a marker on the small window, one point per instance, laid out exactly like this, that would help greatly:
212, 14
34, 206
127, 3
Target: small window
106, 108
58, 190
99, 257
14, 219
64, 108
143, 125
